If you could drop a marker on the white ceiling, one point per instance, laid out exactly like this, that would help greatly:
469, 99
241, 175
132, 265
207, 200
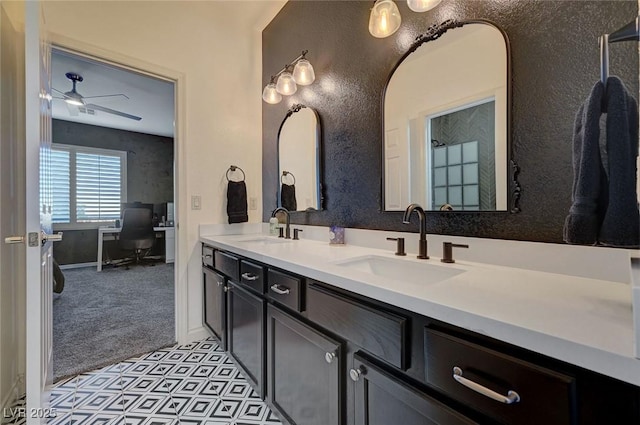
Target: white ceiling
149, 98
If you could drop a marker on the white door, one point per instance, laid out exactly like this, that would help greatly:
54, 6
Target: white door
39, 256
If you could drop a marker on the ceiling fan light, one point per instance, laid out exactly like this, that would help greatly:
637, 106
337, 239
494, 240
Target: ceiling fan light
385, 19
73, 98
270, 94
286, 85
303, 73
422, 5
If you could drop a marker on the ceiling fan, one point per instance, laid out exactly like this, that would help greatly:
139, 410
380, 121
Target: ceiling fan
73, 98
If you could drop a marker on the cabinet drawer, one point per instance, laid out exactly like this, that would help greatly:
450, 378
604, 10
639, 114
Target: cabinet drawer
286, 289
545, 397
384, 399
207, 256
380, 333
227, 264
252, 276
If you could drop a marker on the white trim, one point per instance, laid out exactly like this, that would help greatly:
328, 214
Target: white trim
77, 265
180, 176
196, 334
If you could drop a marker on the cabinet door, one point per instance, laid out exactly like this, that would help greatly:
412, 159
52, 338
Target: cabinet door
304, 372
383, 399
215, 305
245, 326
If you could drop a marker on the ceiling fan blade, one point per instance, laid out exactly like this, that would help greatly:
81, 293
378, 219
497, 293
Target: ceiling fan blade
73, 110
106, 95
112, 111
61, 92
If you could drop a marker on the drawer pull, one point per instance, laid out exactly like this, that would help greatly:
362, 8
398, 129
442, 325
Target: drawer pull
249, 276
206, 256
510, 398
278, 289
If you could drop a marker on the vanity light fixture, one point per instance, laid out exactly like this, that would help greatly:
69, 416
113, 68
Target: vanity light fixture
422, 5
286, 81
385, 18
270, 94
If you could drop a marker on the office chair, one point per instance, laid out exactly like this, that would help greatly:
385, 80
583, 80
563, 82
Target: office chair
137, 235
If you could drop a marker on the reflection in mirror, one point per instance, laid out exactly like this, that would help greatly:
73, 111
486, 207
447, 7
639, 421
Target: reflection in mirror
446, 142
299, 188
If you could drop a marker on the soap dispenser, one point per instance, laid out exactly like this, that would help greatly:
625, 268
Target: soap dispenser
273, 226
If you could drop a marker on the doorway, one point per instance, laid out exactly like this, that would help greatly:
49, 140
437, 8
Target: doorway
113, 149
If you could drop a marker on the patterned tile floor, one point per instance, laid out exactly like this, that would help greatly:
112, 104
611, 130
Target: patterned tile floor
194, 384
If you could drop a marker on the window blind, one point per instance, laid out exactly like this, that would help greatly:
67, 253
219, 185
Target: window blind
89, 184
97, 187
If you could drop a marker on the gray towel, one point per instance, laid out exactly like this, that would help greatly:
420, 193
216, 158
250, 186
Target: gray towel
621, 224
589, 179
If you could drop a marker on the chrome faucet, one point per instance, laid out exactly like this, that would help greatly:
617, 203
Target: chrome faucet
406, 219
287, 222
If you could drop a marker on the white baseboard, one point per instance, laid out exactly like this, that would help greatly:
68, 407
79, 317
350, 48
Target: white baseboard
77, 266
196, 334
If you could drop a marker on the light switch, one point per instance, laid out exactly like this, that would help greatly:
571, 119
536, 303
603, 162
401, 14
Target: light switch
195, 202
253, 203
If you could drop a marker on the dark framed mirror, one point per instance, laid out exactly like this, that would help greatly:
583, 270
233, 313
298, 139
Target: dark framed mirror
446, 122
300, 160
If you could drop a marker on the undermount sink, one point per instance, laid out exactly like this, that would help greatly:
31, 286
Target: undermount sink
265, 240
401, 269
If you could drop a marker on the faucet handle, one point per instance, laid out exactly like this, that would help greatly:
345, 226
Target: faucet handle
281, 231
296, 234
400, 245
447, 251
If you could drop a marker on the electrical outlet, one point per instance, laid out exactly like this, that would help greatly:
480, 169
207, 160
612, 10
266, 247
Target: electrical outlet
195, 202
253, 203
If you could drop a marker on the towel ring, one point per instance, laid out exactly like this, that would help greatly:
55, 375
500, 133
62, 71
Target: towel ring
232, 169
286, 173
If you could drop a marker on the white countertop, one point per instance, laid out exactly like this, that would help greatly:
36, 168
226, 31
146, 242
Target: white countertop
582, 321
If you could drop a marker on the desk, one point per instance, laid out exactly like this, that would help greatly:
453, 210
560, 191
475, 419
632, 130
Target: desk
169, 239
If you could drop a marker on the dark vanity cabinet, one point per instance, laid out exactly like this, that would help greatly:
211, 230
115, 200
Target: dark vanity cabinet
304, 368
321, 355
382, 399
234, 313
215, 304
245, 324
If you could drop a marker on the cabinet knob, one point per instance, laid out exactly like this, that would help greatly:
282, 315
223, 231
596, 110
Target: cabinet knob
329, 356
226, 289
356, 373
220, 283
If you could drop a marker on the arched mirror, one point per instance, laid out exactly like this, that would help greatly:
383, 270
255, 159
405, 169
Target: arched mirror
299, 160
446, 122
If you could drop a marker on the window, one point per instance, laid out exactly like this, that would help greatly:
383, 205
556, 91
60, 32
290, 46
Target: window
89, 184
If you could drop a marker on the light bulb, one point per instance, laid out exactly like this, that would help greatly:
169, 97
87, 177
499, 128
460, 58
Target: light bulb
422, 5
286, 84
303, 73
385, 19
270, 94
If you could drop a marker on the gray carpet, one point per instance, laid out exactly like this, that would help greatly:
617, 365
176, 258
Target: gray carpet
104, 318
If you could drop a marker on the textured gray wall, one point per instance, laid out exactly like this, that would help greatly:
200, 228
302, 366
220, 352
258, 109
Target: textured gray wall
149, 177
555, 62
